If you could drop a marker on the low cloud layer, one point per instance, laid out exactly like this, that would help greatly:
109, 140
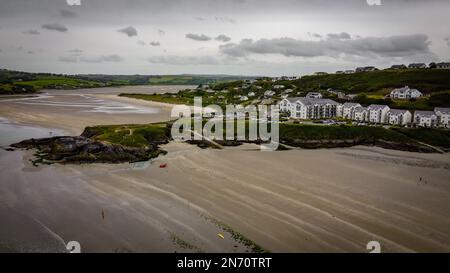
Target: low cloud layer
67, 13
334, 46
223, 38
74, 58
184, 60
155, 43
31, 32
55, 27
129, 31
198, 37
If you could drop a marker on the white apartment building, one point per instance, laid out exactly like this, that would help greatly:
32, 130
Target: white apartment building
360, 114
314, 95
425, 118
377, 113
443, 116
348, 109
399, 117
309, 108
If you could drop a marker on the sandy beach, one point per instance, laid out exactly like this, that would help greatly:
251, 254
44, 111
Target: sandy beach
326, 200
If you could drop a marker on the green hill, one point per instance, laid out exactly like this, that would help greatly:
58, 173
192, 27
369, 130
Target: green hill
17, 82
425, 80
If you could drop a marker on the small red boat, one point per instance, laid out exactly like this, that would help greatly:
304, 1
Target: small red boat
163, 165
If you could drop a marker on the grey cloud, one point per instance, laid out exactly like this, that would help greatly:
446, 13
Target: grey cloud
112, 58
76, 50
67, 13
198, 37
225, 20
339, 36
91, 59
30, 52
155, 43
129, 31
161, 32
314, 35
55, 27
142, 43
448, 41
393, 46
68, 59
223, 38
31, 32
184, 60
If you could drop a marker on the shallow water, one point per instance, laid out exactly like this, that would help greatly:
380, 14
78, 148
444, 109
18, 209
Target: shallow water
84, 103
11, 132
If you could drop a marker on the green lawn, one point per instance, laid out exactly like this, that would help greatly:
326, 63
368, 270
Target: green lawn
129, 135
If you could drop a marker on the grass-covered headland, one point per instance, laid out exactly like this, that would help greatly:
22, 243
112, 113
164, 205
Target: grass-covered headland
131, 143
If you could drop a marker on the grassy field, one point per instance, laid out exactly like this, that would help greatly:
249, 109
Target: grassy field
158, 98
129, 135
289, 131
435, 137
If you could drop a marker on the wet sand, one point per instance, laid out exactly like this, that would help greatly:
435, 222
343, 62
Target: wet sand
73, 110
327, 200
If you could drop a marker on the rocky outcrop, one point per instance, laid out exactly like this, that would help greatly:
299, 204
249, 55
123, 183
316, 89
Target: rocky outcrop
81, 149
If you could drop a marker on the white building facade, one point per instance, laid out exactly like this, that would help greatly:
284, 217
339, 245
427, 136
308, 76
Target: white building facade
405, 93
425, 118
443, 117
348, 109
377, 113
308, 108
360, 114
399, 117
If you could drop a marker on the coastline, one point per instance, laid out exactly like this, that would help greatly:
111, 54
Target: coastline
289, 201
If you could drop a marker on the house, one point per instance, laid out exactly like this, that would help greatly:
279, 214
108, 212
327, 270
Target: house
377, 113
360, 114
251, 94
314, 95
309, 108
288, 78
443, 65
417, 66
405, 93
399, 117
366, 69
243, 98
349, 71
278, 86
340, 72
320, 73
348, 109
425, 118
398, 66
443, 116
269, 93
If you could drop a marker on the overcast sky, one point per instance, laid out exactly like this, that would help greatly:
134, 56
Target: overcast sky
239, 37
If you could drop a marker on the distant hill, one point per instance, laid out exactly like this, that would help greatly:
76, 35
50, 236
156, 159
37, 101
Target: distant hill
18, 82
425, 80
